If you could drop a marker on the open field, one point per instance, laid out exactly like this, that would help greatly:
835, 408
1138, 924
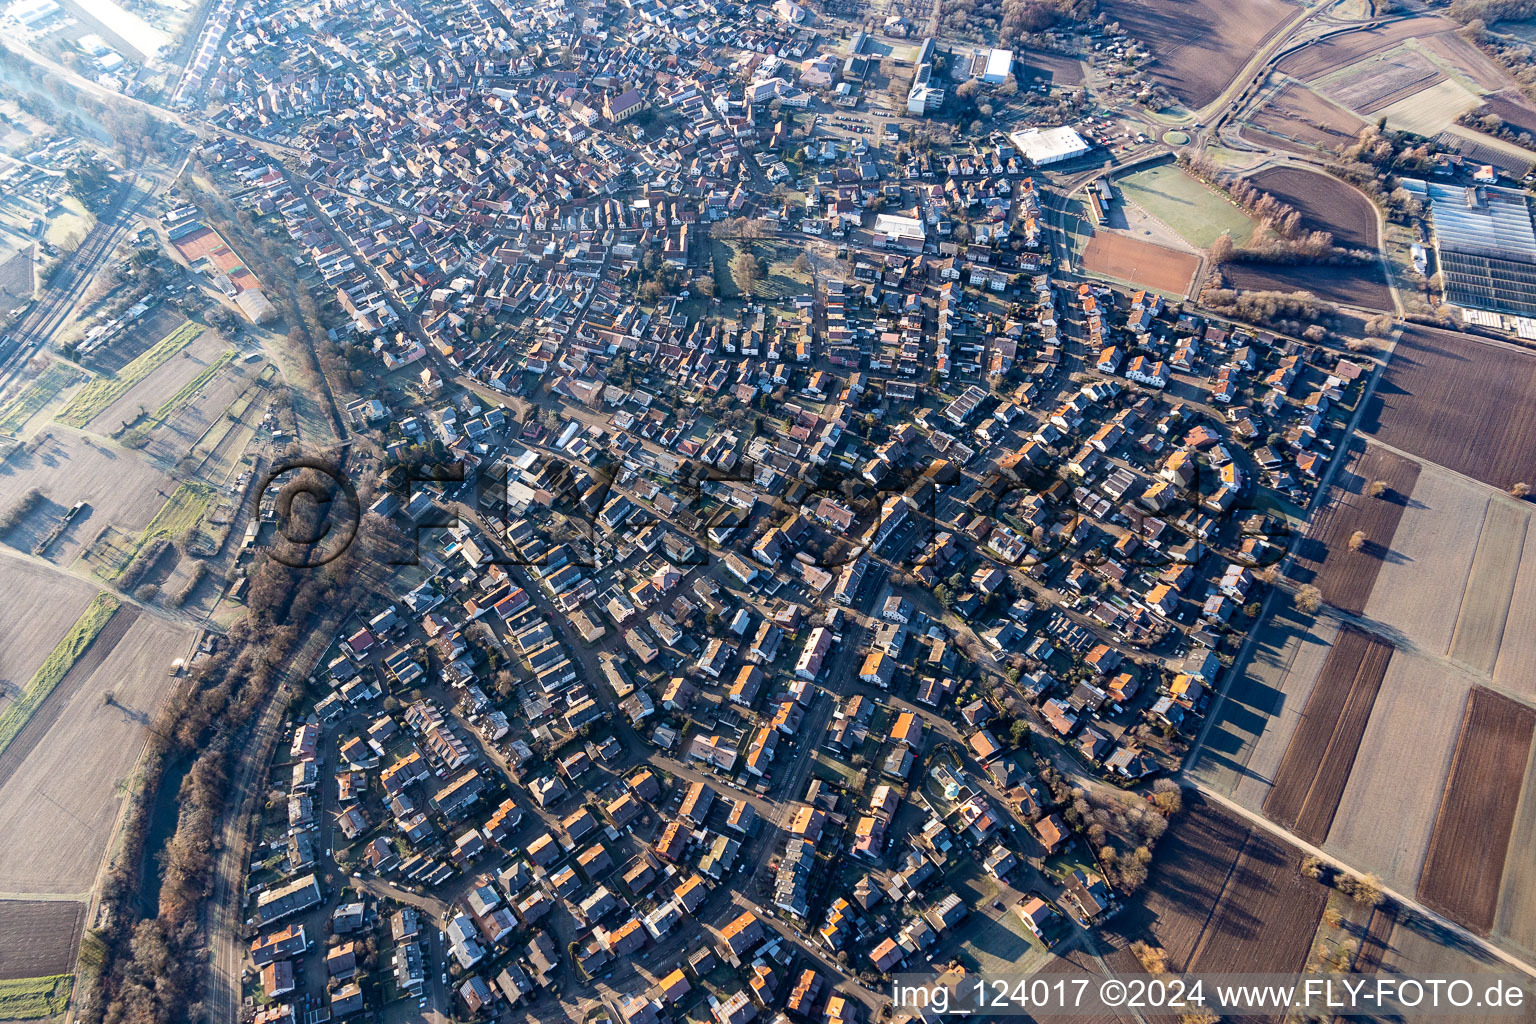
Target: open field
1466, 58
1263, 706
1224, 896
1324, 558
1189, 874
58, 805
115, 551
91, 400
1055, 68
1130, 259
1376, 940
1267, 914
33, 628
197, 419
161, 384
1347, 47
118, 487
1435, 541
1352, 284
1387, 811
1302, 116
1322, 750
1382, 79
17, 277
1515, 667
38, 395
1421, 948
1490, 586
1516, 918
38, 938
1432, 110
1199, 47
1465, 865
1463, 403
1325, 204
60, 661
1198, 214
1511, 108
35, 998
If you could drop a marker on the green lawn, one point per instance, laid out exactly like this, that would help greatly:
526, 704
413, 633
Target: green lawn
58, 663
34, 998
90, 400
782, 281
1199, 214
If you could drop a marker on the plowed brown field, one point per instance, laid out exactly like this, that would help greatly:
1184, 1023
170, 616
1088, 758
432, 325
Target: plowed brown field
1323, 557
1322, 750
1477, 812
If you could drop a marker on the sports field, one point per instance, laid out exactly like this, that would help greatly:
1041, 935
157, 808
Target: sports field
1194, 212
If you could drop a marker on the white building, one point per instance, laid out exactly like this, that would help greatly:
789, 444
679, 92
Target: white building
31, 13
1049, 146
998, 67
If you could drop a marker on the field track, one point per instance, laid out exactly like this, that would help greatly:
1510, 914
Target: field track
1322, 750
1465, 865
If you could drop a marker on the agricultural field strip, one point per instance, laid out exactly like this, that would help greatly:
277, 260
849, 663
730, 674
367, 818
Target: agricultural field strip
1465, 864
1515, 669
101, 392
1516, 918
182, 511
1221, 897
1377, 939
38, 939
1346, 577
1480, 623
192, 386
55, 667
1387, 812
1322, 799
1267, 922
36, 397
1435, 540
1305, 796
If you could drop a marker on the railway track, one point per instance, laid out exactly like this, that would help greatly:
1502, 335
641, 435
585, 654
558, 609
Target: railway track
69, 281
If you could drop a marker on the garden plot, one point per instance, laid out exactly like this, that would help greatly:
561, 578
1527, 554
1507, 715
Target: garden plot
155, 395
